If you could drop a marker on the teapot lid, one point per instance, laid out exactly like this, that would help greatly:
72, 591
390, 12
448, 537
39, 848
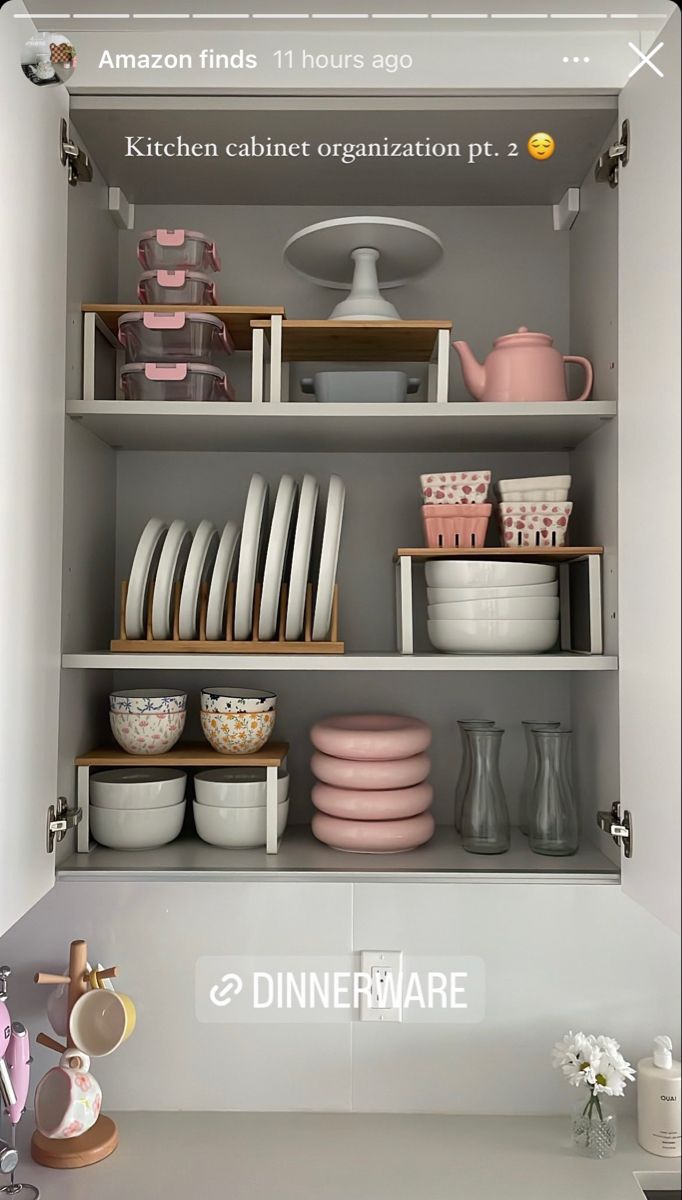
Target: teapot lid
523, 337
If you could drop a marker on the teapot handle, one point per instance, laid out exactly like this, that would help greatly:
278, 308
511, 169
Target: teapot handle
589, 373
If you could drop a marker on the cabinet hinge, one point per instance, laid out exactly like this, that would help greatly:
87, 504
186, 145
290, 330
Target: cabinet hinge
76, 161
608, 166
60, 819
620, 828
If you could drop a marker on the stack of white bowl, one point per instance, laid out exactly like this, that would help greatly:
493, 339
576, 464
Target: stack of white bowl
137, 808
230, 806
492, 607
237, 720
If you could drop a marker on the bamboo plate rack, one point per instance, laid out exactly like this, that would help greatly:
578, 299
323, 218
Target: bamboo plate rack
228, 645
102, 1139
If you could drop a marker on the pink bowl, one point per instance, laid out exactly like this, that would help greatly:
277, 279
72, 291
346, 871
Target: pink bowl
384, 805
371, 737
368, 776
373, 837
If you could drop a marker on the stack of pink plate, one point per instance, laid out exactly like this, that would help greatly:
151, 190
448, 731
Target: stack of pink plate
372, 794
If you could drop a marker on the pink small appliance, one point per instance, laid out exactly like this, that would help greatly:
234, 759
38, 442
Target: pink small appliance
15, 1078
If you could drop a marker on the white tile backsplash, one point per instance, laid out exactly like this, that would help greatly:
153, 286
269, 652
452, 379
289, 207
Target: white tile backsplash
555, 956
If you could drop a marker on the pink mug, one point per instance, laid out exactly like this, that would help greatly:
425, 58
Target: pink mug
68, 1098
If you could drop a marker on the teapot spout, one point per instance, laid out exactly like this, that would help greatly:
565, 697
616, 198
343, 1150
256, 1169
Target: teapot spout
472, 370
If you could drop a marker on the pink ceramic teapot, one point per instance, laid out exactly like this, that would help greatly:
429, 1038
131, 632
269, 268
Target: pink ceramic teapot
522, 368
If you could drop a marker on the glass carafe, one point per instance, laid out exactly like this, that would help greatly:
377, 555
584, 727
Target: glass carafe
531, 768
553, 816
465, 764
485, 817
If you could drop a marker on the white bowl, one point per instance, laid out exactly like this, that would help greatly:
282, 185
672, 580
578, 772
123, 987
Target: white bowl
236, 787
237, 700
137, 787
438, 595
136, 829
147, 733
493, 637
524, 609
454, 573
541, 487
147, 700
236, 828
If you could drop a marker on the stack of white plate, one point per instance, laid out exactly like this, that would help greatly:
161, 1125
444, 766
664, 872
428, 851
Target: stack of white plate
281, 553
492, 607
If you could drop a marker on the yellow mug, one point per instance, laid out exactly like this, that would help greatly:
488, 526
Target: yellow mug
101, 1020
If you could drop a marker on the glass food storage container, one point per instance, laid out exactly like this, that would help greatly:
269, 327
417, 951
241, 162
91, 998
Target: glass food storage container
177, 250
175, 381
173, 336
176, 287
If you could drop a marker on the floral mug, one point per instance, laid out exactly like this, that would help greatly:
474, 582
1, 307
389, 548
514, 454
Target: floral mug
68, 1098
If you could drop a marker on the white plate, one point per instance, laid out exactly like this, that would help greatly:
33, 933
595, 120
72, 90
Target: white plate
136, 600
300, 559
439, 595
278, 543
222, 570
329, 558
199, 563
249, 557
481, 573
171, 567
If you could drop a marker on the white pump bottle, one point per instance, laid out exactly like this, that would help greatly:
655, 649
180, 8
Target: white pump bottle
659, 1110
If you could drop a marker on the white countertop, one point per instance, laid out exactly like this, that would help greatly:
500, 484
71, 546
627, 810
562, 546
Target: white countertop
354, 1156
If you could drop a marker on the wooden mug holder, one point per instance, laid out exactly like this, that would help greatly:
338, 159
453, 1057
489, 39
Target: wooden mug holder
228, 645
102, 1139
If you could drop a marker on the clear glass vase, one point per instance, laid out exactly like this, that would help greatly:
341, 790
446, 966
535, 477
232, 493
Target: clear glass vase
594, 1127
465, 765
485, 816
531, 769
553, 815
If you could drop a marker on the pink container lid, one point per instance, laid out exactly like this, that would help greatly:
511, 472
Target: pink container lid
173, 370
371, 736
176, 278
357, 805
173, 237
170, 320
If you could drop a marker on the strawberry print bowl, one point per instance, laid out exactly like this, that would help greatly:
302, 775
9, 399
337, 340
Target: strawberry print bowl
237, 733
536, 524
455, 487
147, 732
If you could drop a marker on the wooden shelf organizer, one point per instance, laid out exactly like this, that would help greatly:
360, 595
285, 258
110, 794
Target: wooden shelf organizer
565, 557
228, 645
186, 754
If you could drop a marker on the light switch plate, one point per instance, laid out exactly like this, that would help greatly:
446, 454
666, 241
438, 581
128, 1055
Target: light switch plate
382, 973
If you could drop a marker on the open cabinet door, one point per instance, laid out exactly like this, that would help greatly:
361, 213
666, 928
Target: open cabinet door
33, 212
649, 469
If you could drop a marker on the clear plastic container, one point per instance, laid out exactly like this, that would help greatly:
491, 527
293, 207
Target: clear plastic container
176, 287
175, 381
173, 336
177, 250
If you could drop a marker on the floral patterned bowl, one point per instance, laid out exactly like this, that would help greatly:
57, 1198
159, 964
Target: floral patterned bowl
237, 700
237, 733
147, 732
148, 700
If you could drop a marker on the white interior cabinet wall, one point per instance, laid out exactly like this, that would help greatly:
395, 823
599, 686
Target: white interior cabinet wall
502, 267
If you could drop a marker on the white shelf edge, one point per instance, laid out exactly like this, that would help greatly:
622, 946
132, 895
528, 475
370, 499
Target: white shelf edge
105, 661
277, 875
603, 409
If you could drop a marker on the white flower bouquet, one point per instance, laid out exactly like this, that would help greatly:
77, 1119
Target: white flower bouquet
597, 1064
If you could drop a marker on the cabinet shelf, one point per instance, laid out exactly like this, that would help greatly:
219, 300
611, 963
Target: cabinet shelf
301, 857
107, 661
308, 426
358, 341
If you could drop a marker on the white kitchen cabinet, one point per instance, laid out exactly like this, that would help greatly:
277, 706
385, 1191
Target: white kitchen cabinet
605, 289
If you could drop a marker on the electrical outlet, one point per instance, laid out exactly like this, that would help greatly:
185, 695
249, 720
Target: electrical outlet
381, 997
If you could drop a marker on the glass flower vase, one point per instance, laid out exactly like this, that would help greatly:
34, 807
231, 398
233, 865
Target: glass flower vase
594, 1127
485, 817
465, 767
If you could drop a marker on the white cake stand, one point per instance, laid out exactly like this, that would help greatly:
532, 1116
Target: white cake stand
365, 254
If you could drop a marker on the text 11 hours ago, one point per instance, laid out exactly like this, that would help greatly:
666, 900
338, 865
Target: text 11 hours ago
305, 60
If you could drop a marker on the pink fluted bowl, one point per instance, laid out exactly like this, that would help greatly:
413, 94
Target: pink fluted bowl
386, 805
371, 736
369, 776
373, 837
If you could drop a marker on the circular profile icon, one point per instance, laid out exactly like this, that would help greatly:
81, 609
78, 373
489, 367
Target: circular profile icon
48, 58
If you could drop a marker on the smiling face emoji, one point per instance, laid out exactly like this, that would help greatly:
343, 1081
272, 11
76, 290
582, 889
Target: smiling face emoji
541, 146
